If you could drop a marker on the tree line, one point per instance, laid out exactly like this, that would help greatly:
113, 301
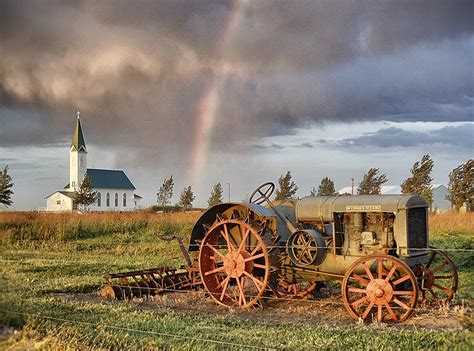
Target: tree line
186, 197
460, 186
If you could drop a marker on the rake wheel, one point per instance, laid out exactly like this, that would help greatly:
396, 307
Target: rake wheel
234, 263
380, 282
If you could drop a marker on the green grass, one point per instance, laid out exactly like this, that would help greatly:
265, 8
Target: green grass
73, 262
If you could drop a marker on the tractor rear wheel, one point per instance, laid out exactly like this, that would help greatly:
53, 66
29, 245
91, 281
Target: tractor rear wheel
234, 263
439, 278
382, 283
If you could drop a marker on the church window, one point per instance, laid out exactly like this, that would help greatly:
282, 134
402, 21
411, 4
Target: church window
124, 200
81, 161
58, 202
107, 200
116, 200
99, 200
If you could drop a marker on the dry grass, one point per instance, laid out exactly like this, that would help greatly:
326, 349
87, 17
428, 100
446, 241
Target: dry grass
452, 223
14, 218
24, 226
66, 226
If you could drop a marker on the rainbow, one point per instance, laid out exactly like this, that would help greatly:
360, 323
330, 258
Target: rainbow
208, 105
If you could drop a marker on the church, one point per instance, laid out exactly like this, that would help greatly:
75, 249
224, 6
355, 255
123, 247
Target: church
115, 191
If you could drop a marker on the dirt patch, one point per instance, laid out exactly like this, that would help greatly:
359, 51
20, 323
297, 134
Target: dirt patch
6, 333
326, 309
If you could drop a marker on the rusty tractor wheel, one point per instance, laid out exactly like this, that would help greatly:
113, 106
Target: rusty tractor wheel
439, 278
381, 282
234, 263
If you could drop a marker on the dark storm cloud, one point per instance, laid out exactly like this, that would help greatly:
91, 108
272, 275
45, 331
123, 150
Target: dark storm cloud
401, 23
458, 137
18, 126
137, 70
271, 146
274, 146
195, 24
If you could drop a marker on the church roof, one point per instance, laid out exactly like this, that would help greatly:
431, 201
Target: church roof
78, 142
69, 194
109, 179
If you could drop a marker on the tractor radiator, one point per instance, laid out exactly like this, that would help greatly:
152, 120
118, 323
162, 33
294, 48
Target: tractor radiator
417, 235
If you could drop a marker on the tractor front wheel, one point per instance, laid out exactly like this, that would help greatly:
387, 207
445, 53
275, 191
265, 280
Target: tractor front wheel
382, 285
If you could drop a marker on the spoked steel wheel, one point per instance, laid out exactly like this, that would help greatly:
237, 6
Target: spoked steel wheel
439, 278
234, 263
381, 285
302, 248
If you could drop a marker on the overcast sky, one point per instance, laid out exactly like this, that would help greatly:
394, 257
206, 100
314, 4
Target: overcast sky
234, 91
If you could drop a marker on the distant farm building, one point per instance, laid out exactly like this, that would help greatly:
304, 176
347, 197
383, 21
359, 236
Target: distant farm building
440, 192
115, 191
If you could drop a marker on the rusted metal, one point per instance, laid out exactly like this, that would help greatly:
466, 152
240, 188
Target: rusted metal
148, 282
234, 263
309, 289
183, 250
382, 283
292, 290
438, 278
243, 253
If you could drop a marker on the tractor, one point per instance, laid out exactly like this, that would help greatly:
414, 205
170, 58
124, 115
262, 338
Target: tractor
243, 254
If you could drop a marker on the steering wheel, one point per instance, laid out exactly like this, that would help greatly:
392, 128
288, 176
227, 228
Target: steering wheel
264, 191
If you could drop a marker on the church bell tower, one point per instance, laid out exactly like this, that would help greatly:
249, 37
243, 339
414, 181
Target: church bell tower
77, 157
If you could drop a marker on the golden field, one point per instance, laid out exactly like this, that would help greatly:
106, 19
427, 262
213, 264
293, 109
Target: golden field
52, 264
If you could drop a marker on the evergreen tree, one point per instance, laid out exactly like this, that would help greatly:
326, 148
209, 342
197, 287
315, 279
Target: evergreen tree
287, 189
165, 193
5, 187
216, 195
461, 185
85, 196
326, 188
313, 192
186, 198
420, 180
372, 182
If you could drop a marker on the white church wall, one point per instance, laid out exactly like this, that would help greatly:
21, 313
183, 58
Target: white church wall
58, 202
129, 204
73, 170
77, 168
137, 203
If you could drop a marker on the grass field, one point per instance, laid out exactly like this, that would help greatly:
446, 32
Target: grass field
46, 257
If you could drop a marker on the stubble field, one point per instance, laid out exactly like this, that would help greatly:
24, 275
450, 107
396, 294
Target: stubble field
52, 267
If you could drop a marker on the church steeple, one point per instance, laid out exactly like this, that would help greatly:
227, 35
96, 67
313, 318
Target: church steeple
78, 142
77, 157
